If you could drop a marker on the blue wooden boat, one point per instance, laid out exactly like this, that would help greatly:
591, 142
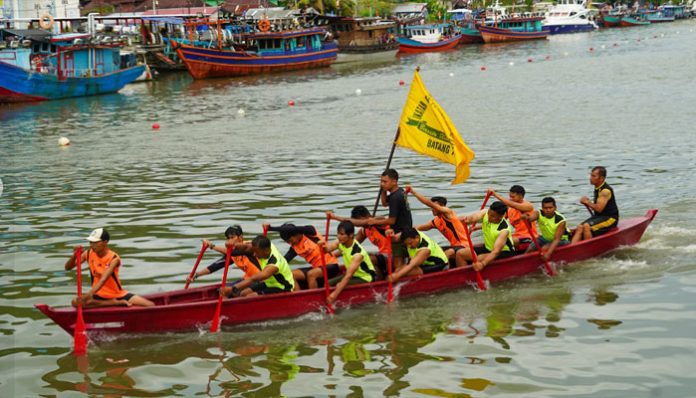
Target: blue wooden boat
36, 65
265, 52
657, 16
429, 38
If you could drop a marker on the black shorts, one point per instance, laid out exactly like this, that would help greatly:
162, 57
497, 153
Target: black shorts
600, 224
125, 297
432, 268
331, 270
503, 254
456, 248
398, 249
261, 288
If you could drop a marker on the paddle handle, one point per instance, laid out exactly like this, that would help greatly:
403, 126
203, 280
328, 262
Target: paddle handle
483, 206
195, 267
479, 279
589, 210
535, 242
214, 327
327, 292
80, 336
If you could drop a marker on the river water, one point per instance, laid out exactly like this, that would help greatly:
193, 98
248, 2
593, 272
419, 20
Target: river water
617, 326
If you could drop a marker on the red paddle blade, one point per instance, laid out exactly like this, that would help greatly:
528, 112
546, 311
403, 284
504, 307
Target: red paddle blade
80, 337
480, 282
215, 326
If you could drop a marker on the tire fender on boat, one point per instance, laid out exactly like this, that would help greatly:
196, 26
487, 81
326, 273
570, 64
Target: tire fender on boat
46, 21
264, 25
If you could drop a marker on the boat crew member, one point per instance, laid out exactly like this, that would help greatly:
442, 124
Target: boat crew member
359, 267
104, 266
425, 256
497, 234
275, 275
553, 227
517, 206
303, 242
399, 214
376, 234
248, 264
605, 211
448, 224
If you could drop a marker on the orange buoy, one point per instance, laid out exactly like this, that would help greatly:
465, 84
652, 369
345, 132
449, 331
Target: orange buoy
483, 68
529, 60
548, 57
155, 126
401, 82
291, 103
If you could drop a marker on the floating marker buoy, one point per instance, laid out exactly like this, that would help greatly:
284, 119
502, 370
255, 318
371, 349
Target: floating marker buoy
291, 103
529, 60
451, 74
240, 112
401, 83
616, 44
548, 57
155, 126
603, 46
591, 49
511, 63
63, 141
565, 53
358, 91
483, 68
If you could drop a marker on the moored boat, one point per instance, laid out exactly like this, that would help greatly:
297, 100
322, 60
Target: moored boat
656, 16
465, 23
514, 29
36, 65
611, 21
266, 52
569, 16
364, 36
628, 21
429, 38
190, 309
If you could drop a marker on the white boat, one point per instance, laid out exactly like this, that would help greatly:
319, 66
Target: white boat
569, 16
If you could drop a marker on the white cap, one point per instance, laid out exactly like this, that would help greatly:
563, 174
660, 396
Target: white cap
98, 235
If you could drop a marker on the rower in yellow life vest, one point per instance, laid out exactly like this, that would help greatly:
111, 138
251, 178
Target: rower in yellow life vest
448, 224
497, 234
359, 267
553, 227
275, 275
424, 255
104, 268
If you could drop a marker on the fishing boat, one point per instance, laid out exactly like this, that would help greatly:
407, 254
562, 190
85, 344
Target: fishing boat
428, 38
265, 52
630, 20
36, 65
362, 38
465, 23
514, 29
192, 309
656, 16
569, 16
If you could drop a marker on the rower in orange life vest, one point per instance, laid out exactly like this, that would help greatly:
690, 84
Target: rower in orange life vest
303, 242
497, 234
448, 224
376, 234
517, 206
248, 264
605, 211
104, 265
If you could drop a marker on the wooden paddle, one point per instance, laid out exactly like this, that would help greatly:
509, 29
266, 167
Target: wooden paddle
80, 335
479, 279
216, 317
390, 294
547, 266
589, 210
483, 206
195, 267
329, 307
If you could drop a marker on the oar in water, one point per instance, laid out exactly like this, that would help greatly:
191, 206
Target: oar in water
547, 266
80, 335
483, 206
329, 307
479, 279
195, 267
216, 317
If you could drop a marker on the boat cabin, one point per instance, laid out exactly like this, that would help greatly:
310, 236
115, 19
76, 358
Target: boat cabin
280, 43
522, 24
362, 32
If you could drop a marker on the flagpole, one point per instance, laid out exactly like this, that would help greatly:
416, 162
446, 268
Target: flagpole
391, 155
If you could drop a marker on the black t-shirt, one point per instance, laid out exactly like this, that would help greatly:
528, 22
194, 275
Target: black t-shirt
399, 208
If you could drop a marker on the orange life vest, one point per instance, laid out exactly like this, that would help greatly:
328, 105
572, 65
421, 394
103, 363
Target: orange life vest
246, 265
521, 230
452, 229
309, 250
378, 237
98, 267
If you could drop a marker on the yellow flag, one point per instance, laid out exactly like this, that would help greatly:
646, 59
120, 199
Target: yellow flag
426, 128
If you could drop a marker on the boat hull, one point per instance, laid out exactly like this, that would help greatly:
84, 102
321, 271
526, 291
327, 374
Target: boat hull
204, 63
20, 85
470, 36
569, 28
492, 34
412, 46
629, 21
192, 309
609, 21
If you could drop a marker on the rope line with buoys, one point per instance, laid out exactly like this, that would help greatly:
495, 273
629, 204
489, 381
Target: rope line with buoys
264, 25
46, 21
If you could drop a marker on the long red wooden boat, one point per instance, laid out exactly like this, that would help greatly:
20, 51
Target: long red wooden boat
191, 309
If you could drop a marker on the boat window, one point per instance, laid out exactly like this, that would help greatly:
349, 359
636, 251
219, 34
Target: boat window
369, 33
573, 13
36, 48
45, 46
